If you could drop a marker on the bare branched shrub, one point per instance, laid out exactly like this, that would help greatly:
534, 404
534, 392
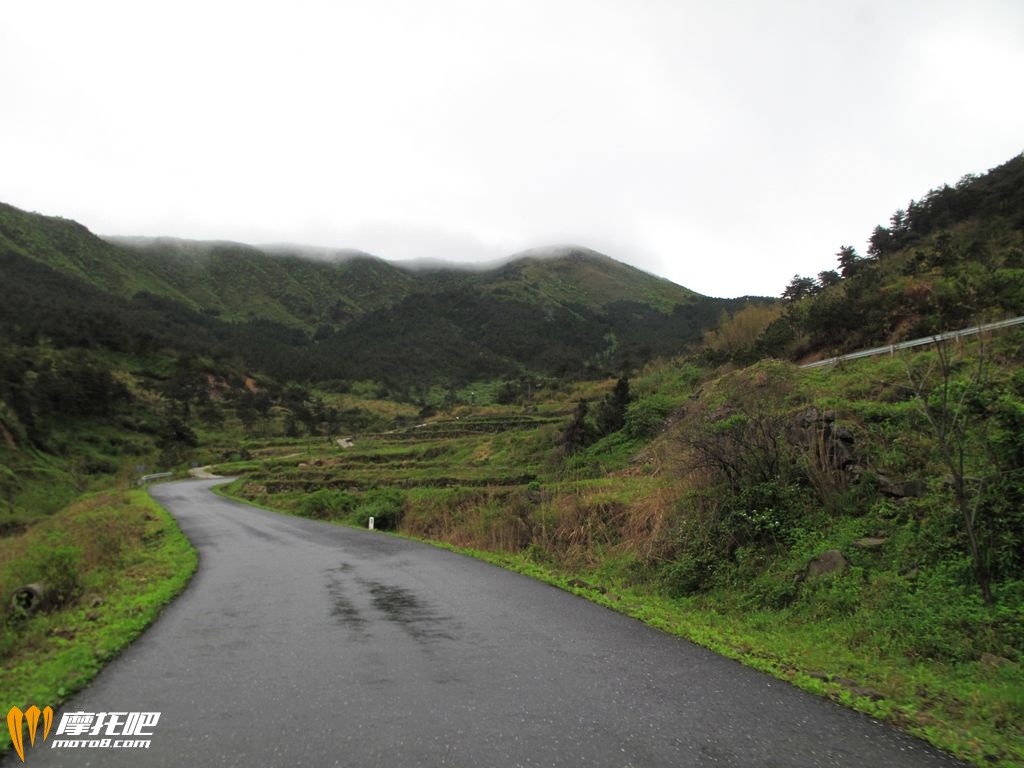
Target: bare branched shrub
948, 402
746, 440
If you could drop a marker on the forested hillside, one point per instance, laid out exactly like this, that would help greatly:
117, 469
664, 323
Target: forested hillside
305, 315
953, 258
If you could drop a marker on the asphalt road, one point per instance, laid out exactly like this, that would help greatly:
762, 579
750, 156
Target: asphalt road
300, 643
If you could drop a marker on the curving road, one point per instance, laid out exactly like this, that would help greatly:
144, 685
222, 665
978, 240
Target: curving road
300, 643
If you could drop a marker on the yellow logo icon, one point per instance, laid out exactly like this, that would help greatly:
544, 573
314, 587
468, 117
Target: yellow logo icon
16, 717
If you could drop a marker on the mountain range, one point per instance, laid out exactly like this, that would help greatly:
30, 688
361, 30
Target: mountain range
300, 313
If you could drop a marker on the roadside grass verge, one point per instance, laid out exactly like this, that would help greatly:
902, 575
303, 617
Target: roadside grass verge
113, 560
971, 708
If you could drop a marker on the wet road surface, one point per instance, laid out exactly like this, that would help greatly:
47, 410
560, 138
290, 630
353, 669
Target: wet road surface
300, 643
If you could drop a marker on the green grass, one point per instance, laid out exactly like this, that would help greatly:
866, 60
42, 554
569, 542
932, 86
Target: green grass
131, 560
972, 709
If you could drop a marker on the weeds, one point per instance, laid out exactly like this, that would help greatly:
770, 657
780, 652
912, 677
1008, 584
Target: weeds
127, 560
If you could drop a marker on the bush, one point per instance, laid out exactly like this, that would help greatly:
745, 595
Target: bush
56, 563
326, 504
645, 416
686, 575
385, 506
764, 512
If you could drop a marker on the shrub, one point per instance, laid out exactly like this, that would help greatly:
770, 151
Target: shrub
326, 504
645, 416
384, 505
764, 512
56, 563
685, 575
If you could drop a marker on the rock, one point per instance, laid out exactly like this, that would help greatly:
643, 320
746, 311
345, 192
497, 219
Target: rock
580, 584
841, 453
807, 418
818, 432
843, 433
869, 693
813, 416
870, 542
722, 412
96, 602
829, 561
905, 490
992, 661
92, 616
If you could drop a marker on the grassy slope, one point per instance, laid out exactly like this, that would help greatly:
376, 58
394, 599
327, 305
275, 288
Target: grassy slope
122, 557
240, 282
70, 248
287, 285
578, 276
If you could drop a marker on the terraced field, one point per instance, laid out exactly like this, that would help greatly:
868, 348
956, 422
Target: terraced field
452, 461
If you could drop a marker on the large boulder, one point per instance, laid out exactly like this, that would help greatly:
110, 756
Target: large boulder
829, 561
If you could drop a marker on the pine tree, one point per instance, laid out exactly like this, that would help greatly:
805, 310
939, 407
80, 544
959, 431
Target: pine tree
577, 433
611, 414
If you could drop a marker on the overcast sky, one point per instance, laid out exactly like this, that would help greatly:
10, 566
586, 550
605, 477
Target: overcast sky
724, 145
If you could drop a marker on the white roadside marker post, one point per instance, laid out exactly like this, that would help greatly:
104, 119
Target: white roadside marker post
371, 524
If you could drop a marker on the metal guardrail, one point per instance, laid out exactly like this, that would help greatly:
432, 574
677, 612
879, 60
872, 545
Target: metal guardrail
893, 348
146, 478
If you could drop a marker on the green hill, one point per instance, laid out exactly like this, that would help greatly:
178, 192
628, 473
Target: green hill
313, 315
283, 284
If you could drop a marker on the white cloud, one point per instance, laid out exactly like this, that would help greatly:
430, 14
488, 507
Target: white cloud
725, 145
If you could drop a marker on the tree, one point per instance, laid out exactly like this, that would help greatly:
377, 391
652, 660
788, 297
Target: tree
245, 409
9, 484
800, 287
737, 334
176, 439
880, 242
849, 260
611, 413
578, 433
828, 278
